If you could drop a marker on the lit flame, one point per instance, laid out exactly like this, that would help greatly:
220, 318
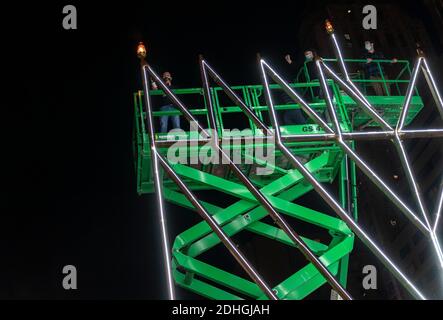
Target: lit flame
141, 50
329, 27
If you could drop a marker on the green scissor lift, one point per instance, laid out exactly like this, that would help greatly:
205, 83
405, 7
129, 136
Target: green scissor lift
324, 159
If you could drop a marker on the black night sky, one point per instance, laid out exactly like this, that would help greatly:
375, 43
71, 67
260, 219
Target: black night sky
71, 193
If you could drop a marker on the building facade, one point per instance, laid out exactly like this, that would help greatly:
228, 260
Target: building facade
400, 27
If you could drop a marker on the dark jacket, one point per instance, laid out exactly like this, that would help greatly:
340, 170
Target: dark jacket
371, 69
164, 99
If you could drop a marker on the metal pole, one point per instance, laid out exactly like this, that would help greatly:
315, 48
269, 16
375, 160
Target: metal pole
367, 108
189, 195
316, 137
176, 101
342, 65
360, 163
399, 146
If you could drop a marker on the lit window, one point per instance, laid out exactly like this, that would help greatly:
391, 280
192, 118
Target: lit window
417, 237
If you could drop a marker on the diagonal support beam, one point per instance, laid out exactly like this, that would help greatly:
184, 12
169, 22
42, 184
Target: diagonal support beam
208, 70
433, 86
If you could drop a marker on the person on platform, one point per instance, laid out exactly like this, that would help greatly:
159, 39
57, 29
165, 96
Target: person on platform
166, 105
374, 71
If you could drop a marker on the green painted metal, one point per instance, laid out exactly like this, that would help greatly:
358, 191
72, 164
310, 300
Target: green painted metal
282, 187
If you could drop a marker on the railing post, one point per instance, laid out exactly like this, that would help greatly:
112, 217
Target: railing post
383, 79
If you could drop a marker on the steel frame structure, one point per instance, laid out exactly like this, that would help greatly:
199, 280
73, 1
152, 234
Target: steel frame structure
334, 145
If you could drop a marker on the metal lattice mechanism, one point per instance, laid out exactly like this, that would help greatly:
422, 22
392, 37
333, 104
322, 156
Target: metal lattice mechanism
307, 156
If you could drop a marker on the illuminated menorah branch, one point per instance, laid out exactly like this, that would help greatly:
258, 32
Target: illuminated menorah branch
262, 199
354, 92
